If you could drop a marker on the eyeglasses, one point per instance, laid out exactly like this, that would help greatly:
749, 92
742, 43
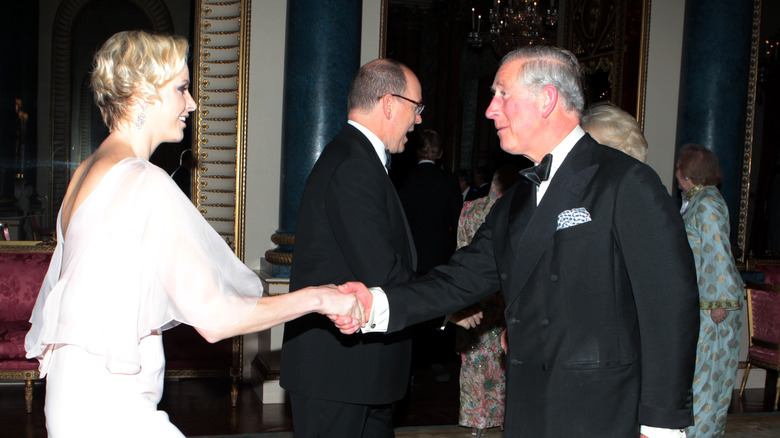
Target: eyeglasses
418, 107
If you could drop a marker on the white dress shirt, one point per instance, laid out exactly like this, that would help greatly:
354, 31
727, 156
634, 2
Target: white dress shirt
559, 154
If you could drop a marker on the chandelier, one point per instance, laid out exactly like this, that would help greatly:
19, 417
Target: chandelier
513, 24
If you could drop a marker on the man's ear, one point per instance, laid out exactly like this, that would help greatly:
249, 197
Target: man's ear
387, 106
549, 96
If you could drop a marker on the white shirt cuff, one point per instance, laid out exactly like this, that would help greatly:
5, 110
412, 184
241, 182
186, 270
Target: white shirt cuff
380, 312
657, 432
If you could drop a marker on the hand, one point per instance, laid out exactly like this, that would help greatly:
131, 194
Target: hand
340, 308
362, 293
469, 317
346, 324
504, 343
718, 315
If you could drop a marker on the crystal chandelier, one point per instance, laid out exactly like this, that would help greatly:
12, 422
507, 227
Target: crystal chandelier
513, 24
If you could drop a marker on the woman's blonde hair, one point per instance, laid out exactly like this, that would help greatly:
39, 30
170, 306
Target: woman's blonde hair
134, 62
613, 127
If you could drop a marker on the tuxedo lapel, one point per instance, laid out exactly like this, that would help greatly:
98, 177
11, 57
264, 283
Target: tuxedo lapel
522, 209
531, 230
409, 238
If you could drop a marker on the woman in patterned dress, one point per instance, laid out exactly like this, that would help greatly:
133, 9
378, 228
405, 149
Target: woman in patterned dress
482, 379
720, 289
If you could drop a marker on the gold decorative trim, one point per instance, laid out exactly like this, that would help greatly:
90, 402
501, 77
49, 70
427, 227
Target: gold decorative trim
28, 246
278, 258
383, 31
747, 152
20, 374
282, 239
644, 45
221, 78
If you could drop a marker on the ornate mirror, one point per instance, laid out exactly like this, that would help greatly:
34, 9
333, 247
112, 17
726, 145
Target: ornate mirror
758, 233
52, 124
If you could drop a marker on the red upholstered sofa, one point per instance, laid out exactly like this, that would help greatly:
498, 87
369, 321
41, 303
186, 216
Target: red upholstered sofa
769, 267
22, 269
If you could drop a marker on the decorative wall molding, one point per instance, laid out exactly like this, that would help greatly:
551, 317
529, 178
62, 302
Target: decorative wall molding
221, 81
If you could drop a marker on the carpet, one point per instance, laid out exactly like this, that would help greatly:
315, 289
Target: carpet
764, 425
753, 426
416, 432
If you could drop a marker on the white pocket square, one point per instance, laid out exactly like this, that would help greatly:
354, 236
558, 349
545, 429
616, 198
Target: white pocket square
570, 218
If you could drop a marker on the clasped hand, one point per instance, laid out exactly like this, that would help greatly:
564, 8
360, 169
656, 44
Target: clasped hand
349, 323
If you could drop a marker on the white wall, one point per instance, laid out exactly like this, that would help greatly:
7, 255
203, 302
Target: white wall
663, 79
264, 135
369, 47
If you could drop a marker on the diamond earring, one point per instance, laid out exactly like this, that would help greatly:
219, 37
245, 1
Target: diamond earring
140, 119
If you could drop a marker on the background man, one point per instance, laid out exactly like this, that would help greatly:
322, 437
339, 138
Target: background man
598, 280
481, 184
432, 203
351, 226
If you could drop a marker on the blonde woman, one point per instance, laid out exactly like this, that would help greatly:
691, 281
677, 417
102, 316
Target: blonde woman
613, 127
134, 257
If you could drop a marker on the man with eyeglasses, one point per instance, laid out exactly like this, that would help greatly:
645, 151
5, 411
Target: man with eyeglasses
351, 227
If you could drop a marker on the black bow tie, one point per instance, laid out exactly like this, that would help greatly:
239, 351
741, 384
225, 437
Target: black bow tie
388, 158
540, 172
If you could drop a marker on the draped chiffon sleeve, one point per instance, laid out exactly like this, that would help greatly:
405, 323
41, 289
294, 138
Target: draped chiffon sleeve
137, 258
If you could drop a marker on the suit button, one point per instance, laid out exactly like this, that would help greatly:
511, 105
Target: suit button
545, 322
503, 276
554, 277
516, 362
513, 321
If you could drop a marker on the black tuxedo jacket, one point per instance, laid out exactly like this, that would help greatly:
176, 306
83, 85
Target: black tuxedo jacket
432, 202
478, 192
351, 227
602, 317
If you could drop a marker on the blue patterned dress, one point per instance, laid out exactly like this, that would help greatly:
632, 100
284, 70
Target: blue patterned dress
720, 287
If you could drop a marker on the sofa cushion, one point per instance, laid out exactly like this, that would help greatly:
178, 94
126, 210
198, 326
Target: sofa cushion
12, 335
21, 275
771, 273
186, 349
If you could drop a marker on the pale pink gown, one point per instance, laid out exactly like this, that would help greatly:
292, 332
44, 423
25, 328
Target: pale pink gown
138, 258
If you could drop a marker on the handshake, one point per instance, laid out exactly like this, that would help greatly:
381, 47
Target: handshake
353, 302
348, 305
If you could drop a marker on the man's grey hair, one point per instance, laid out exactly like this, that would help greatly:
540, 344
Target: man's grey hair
374, 80
545, 65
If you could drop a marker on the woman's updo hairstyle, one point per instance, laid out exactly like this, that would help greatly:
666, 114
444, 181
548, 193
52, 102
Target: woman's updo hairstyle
131, 62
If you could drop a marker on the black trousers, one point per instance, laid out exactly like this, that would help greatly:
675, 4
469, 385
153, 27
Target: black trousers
318, 418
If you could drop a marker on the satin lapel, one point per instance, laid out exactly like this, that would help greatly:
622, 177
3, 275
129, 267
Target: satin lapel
565, 192
409, 238
523, 208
